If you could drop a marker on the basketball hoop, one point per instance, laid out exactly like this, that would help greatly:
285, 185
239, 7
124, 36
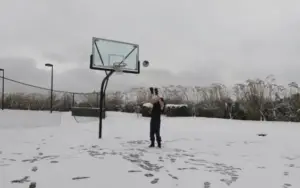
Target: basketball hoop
111, 60
118, 67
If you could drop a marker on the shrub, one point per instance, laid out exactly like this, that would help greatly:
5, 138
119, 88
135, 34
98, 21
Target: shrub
146, 109
209, 112
129, 107
177, 110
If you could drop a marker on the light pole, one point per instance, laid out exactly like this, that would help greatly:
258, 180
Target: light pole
51, 92
2, 89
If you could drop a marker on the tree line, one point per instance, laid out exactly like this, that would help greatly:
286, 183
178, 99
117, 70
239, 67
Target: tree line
252, 100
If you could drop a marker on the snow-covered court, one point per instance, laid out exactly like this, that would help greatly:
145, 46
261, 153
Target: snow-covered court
55, 150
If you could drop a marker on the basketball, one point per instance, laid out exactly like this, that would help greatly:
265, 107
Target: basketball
146, 63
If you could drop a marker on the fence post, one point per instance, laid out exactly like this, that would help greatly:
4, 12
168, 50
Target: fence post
2, 89
73, 99
97, 100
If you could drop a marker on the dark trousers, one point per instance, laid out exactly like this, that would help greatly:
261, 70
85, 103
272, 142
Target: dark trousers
155, 131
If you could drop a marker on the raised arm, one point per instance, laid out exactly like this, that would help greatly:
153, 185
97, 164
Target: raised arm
161, 103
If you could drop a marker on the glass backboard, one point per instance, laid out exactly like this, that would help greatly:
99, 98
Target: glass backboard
106, 52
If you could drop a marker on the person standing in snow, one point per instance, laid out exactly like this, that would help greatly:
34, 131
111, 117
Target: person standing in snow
157, 109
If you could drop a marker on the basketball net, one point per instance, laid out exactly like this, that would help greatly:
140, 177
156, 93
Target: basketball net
118, 67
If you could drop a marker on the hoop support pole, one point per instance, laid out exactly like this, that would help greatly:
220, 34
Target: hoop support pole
102, 96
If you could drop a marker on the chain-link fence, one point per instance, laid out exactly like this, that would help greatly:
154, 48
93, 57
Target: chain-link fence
24, 96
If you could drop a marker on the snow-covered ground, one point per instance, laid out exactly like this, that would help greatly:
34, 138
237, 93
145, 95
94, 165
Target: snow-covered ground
57, 151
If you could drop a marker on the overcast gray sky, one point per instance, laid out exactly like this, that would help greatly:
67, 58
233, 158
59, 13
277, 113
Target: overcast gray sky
190, 42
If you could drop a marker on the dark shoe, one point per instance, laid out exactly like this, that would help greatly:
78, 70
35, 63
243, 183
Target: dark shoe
159, 145
151, 146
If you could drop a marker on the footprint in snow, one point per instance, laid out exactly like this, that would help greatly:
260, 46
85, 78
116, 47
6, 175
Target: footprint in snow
149, 175
80, 178
155, 181
206, 184
133, 171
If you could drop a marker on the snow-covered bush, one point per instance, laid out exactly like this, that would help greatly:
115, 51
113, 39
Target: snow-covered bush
146, 109
129, 107
212, 112
177, 110
213, 109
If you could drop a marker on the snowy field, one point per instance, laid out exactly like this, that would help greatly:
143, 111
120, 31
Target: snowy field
55, 151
